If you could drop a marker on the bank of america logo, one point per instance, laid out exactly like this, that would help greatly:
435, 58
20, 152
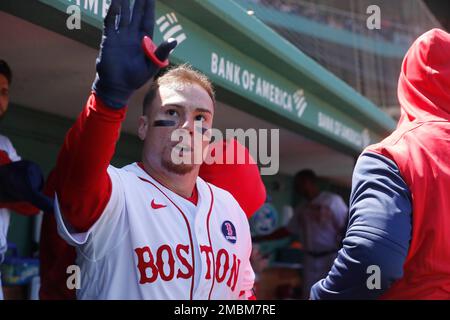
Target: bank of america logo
170, 27
300, 102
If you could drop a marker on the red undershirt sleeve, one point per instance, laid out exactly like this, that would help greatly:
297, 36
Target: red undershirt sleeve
82, 183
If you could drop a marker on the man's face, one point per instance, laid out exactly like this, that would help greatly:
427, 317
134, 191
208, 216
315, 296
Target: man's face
4, 95
174, 110
302, 186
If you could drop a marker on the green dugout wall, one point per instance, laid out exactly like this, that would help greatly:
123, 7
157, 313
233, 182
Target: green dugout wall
249, 63
253, 68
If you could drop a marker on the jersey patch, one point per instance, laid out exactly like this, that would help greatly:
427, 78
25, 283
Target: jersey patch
229, 231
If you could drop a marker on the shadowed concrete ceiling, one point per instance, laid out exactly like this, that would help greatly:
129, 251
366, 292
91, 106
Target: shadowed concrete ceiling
441, 10
53, 74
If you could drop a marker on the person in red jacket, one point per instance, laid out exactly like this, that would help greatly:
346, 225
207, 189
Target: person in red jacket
397, 244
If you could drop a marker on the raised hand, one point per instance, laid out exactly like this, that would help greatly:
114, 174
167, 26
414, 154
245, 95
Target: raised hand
126, 60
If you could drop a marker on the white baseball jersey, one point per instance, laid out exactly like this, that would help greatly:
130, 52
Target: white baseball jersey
5, 146
323, 222
151, 243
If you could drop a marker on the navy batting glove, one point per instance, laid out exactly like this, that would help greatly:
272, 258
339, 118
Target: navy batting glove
128, 58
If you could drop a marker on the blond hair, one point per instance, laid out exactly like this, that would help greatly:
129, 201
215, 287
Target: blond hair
179, 76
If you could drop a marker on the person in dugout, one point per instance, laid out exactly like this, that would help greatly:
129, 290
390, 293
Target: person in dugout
21, 181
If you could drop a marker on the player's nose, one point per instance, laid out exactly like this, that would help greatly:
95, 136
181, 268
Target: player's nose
189, 125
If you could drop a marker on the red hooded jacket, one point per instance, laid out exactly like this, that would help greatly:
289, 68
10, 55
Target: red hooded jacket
420, 147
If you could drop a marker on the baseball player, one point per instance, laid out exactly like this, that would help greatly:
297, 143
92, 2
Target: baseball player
242, 180
154, 229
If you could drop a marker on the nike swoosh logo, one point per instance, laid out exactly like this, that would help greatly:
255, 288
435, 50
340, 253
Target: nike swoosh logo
157, 205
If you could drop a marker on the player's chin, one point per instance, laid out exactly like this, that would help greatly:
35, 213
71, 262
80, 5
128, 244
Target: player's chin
179, 169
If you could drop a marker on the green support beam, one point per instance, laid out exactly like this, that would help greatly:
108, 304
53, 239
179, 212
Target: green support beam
253, 68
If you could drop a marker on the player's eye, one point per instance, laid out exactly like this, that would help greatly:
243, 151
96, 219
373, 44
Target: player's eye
172, 112
200, 117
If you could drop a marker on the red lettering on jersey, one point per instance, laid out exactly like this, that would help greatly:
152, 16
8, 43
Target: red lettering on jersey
184, 262
222, 265
144, 265
225, 264
170, 262
234, 273
208, 251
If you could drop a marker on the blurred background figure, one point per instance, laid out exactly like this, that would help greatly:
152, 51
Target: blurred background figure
320, 223
7, 155
5, 81
20, 181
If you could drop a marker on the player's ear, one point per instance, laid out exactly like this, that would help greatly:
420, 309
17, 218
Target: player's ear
142, 127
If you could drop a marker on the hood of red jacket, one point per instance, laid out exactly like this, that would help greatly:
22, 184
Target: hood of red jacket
424, 84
